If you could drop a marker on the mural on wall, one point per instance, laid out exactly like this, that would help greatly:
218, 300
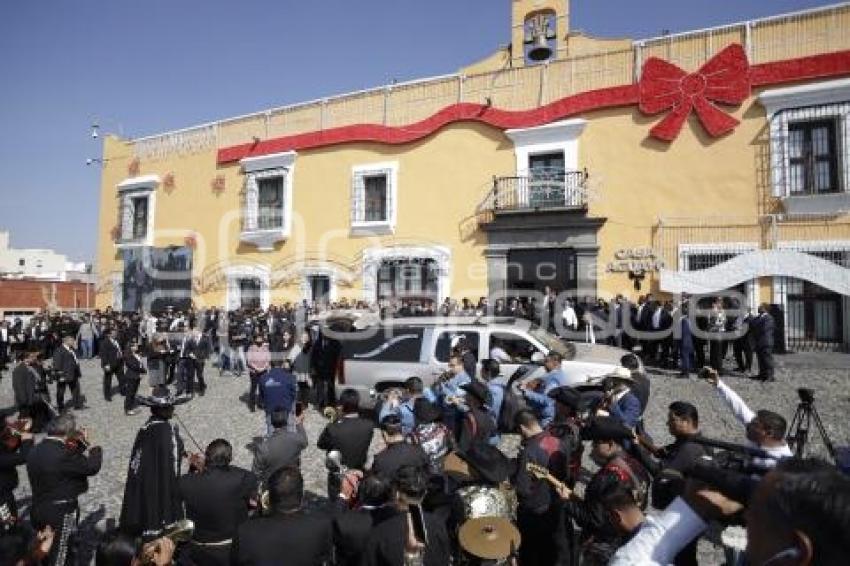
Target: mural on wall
157, 278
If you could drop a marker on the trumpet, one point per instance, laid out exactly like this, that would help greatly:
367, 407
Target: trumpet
330, 413
179, 531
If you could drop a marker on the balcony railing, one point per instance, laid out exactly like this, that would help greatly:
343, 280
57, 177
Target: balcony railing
538, 190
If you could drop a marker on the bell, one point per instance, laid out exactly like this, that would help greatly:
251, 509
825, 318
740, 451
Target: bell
541, 50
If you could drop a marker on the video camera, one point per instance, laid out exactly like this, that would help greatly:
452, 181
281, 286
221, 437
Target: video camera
733, 469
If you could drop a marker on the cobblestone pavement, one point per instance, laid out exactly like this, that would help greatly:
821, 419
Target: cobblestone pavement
223, 413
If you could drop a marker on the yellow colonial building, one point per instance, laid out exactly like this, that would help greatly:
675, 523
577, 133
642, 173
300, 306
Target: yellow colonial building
689, 163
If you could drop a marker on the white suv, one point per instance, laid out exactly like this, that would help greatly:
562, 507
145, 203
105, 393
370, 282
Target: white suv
384, 354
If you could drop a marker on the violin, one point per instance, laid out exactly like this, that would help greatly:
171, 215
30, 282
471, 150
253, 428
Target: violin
12, 435
77, 441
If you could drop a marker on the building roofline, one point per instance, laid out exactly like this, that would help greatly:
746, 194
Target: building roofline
435, 78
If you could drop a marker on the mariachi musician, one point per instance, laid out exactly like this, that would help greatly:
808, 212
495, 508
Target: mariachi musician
59, 468
151, 498
15, 445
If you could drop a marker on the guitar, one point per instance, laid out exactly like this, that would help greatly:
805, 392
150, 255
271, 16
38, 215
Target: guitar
542, 473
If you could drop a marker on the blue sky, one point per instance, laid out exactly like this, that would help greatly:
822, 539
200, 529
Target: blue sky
155, 65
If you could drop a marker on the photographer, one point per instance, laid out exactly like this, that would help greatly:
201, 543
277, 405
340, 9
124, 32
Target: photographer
799, 514
765, 429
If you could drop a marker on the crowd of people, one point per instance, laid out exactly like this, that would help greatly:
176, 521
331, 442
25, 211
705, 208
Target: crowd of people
440, 490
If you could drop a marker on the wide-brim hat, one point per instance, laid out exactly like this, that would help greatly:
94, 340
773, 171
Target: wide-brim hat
488, 462
477, 390
425, 411
569, 396
162, 397
620, 372
606, 428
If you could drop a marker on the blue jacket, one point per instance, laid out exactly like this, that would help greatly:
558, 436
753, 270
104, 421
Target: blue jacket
404, 412
278, 388
627, 410
542, 405
553, 380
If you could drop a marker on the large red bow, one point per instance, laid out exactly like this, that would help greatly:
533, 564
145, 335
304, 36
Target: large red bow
724, 78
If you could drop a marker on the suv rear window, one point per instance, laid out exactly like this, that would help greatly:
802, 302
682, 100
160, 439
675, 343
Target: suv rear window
404, 345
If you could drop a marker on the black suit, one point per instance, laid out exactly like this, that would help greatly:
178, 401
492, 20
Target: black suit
351, 435
66, 362
297, 539
397, 455
195, 353
132, 377
9, 462
351, 531
217, 501
324, 356
385, 546
58, 475
763, 334
112, 363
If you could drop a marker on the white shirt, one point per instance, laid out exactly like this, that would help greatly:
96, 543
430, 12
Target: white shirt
570, 318
656, 318
498, 354
661, 537
744, 414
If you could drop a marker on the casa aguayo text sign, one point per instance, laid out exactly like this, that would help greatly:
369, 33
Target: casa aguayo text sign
635, 260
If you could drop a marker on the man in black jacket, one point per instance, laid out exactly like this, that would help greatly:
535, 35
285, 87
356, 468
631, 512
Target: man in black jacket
25, 379
134, 368
112, 363
195, 351
58, 474
66, 364
350, 434
392, 539
763, 330
399, 452
217, 499
353, 526
287, 534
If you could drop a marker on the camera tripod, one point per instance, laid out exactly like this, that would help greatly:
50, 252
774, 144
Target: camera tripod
798, 432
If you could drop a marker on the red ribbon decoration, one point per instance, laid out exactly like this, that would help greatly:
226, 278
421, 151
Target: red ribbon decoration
724, 78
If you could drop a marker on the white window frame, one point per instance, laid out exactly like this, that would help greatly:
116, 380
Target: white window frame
264, 167
803, 246
373, 257
232, 276
128, 189
358, 193
333, 275
795, 103
739, 248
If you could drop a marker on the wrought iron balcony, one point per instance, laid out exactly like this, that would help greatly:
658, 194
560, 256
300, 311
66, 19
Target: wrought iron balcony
538, 190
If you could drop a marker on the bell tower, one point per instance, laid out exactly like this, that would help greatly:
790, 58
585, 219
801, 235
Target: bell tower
539, 30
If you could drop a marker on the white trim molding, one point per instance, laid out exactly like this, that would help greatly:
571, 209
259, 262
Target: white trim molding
788, 105
556, 136
234, 273
257, 168
128, 189
812, 94
359, 226
372, 258
761, 263
333, 273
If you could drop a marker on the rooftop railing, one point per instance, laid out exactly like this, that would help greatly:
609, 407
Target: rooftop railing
787, 36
